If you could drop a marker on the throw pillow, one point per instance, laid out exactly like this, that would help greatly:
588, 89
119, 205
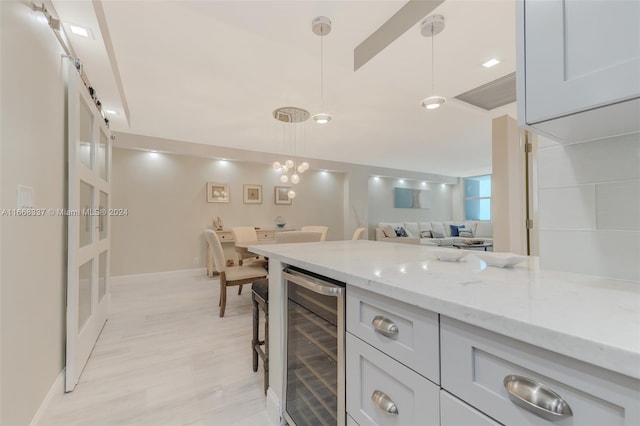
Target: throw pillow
437, 234
388, 231
455, 230
465, 232
425, 234
438, 228
400, 232
412, 229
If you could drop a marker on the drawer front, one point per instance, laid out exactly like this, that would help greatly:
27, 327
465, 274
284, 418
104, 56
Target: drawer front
351, 422
394, 387
225, 236
475, 363
265, 235
454, 412
416, 342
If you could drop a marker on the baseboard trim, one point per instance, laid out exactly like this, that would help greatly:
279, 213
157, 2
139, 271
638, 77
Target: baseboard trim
57, 388
129, 279
273, 407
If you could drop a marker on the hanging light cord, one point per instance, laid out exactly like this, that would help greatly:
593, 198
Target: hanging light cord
433, 85
321, 67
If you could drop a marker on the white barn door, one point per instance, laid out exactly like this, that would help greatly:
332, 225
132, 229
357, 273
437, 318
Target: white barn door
88, 227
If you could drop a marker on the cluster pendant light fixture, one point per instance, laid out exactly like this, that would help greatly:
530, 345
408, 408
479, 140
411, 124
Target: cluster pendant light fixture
321, 26
291, 119
430, 27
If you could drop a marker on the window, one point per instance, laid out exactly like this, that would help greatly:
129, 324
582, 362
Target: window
477, 197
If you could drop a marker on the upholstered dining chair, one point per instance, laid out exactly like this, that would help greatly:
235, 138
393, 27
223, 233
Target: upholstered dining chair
260, 300
321, 229
359, 234
230, 275
298, 237
244, 234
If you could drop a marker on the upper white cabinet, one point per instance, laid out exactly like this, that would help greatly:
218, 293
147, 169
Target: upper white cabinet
579, 68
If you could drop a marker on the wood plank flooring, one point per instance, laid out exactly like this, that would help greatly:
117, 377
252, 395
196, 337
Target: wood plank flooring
166, 358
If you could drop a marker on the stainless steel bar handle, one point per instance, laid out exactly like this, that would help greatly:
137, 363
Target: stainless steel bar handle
313, 284
384, 326
536, 398
383, 402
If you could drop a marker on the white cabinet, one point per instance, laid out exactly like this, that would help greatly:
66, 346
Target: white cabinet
478, 366
454, 412
381, 391
404, 332
579, 68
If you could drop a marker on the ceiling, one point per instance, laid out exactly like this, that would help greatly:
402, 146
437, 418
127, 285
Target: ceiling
212, 72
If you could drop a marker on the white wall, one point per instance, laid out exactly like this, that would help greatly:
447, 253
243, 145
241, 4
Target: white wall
167, 209
589, 206
33, 264
381, 207
508, 187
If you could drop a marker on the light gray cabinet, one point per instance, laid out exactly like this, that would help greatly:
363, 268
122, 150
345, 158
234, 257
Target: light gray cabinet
579, 68
381, 391
484, 378
479, 366
392, 357
402, 331
454, 412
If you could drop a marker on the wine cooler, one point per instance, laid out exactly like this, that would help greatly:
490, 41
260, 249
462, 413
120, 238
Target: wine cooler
315, 374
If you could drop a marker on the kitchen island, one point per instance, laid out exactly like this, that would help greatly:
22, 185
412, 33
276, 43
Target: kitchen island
590, 323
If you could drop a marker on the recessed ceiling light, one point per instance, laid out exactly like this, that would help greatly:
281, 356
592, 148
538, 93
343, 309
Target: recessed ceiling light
491, 62
77, 30
111, 112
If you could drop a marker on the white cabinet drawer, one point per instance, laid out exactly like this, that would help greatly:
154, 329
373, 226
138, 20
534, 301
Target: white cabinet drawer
475, 363
351, 422
415, 344
454, 412
370, 371
225, 236
265, 235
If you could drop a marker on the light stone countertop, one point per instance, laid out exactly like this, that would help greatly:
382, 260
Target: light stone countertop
592, 319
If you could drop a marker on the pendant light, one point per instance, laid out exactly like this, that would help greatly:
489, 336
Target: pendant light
430, 27
290, 118
321, 26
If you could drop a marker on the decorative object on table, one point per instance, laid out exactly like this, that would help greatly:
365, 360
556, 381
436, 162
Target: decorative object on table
501, 260
450, 255
291, 119
217, 192
280, 222
282, 194
252, 194
217, 224
230, 262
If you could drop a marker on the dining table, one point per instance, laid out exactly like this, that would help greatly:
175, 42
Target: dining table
242, 248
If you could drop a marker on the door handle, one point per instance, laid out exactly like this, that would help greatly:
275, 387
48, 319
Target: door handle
383, 402
536, 398
384, 326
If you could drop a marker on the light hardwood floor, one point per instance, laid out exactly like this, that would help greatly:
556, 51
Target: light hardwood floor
166, 358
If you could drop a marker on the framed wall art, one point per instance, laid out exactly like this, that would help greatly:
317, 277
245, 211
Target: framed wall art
252, 194
217, 192
281, 194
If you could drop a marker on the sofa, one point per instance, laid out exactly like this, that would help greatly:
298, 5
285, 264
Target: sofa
435, 233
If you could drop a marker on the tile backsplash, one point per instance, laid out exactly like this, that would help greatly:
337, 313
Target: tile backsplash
589, 207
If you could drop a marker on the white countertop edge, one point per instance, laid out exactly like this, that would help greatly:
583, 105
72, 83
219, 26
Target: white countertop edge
605, 356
